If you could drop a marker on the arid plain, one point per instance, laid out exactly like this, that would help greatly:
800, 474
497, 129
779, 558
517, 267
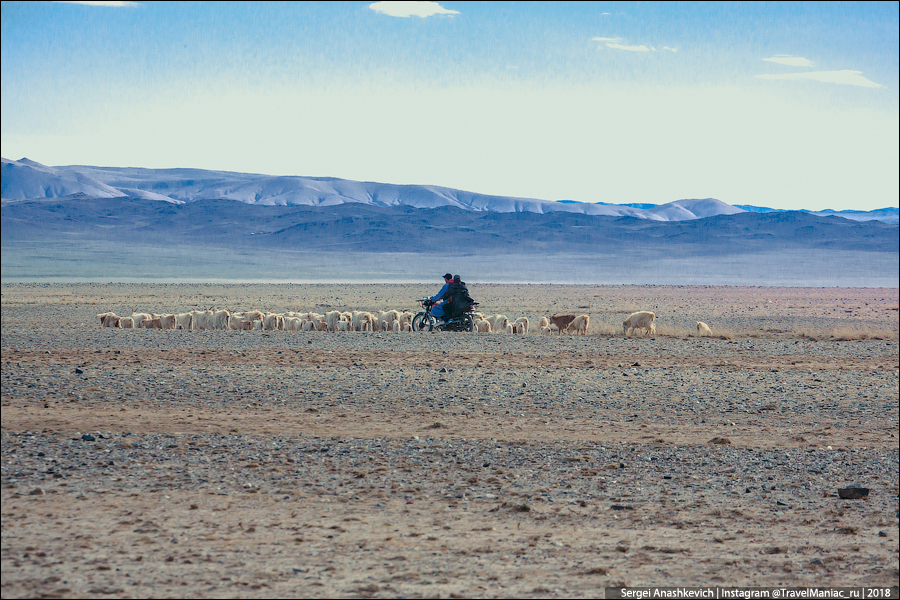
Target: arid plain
148, 463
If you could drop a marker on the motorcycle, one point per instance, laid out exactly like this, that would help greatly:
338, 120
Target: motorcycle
425, 321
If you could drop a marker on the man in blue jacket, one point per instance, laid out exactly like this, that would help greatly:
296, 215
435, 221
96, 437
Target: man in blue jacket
437, 311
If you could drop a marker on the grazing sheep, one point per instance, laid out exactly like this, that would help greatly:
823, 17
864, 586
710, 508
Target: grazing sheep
561, 322
642, 320
153, 323
703, 329
580, 324
543, 322
126, 322
546, 331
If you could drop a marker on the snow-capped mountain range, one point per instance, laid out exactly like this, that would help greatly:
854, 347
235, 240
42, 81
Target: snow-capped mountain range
27, 179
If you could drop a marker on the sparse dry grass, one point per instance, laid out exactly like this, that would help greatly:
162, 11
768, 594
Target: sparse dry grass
853, 333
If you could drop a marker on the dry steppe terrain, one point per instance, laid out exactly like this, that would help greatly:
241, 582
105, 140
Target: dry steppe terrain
147, 463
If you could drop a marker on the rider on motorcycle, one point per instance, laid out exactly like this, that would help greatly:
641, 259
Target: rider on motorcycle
437, 311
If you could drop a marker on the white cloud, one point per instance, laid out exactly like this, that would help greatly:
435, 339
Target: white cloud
640, 48
411, 9
98, 3
792, 61
844, 77
615, 45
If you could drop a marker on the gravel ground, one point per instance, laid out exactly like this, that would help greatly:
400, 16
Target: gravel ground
282, 464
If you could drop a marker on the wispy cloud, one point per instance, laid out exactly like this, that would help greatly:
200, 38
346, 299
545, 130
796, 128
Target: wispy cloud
615, 45
640, 48
98, 3
792, 61
411, 9
845, 77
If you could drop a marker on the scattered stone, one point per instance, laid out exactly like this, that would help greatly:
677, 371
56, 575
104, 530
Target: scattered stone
854, 492
36, 492
621, 507
719, 441
87, 437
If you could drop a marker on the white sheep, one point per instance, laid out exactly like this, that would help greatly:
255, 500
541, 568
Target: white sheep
643, 320
580, 324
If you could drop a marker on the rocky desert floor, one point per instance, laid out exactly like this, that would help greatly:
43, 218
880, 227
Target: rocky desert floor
148, 463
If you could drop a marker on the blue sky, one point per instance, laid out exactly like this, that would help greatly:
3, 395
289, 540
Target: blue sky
787, 105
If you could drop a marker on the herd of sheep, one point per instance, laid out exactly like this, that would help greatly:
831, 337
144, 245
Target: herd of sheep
389, 320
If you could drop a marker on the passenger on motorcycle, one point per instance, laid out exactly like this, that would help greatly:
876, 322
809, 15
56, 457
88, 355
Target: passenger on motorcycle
437, 311
456, 299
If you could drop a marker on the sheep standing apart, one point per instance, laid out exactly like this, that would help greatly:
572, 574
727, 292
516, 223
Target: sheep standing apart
642, 320
703, 329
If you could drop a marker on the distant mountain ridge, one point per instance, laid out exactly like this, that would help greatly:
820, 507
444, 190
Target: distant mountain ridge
27, 179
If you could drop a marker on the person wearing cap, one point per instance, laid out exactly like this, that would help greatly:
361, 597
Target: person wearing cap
437, 311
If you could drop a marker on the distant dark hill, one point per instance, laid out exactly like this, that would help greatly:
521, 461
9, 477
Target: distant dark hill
370, 228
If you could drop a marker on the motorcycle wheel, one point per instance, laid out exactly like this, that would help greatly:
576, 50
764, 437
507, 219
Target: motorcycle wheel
422, 322
469, 323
